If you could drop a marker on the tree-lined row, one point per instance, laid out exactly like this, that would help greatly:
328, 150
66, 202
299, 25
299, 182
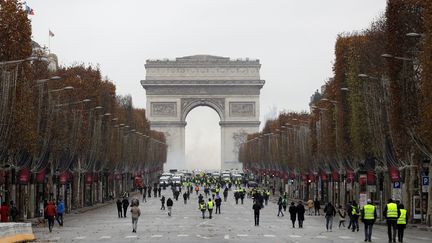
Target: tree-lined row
66, 120
373, 114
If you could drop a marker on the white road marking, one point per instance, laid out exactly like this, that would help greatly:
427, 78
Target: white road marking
321, 237
156, 236
80, 238
131, 236
203, 237
105, 237
295, 236
242, 235
375, 238
226, 237
345, 237
185, 217
182, 235
269, 236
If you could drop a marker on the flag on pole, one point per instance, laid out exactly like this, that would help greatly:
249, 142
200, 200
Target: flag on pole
29, 10
51, 34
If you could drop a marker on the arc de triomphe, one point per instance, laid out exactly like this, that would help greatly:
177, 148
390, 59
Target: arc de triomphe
230, 87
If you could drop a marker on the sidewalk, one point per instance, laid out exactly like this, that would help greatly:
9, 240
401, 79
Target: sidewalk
39, 220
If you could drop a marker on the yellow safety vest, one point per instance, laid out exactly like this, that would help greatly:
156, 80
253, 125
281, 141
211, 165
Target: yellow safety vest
402, 217
392, 211
210, 205
369, 211
354, 210
202, 206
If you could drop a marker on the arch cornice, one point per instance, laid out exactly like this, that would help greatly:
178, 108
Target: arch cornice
188, 104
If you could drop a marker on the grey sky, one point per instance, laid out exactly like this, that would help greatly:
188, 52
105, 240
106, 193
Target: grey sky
294, 40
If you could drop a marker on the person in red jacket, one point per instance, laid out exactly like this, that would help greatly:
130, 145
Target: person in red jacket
4, 212
51, 212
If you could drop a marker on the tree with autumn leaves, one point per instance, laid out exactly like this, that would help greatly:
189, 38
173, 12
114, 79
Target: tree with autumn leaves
68, 120
374, 113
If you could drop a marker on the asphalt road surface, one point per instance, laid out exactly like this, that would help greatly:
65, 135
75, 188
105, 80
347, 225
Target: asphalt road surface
234, 224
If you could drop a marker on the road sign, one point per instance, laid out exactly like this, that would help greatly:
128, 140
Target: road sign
425, 183
397, 185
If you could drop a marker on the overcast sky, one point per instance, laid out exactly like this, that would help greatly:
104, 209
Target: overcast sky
294, 40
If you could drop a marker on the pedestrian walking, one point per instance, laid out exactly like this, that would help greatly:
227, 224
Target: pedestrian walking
51, 212
203, 208
266, 197
162, 203
60, 211
185, 196
4, 212
149, 189
145, 195
330, 212
300, 213
293, 213
169, 204
125, 204
159, 191
401, 222
368, 217
280, 206
285, 202
196, 189
236, 196
225, 194
348, 210
341, 215
155, 190
310, 206
317, 206
210, 205
135, 214
119, 208
242, 195
200, 198
218, 202
13, 211
256, 208
391, 213
354, 215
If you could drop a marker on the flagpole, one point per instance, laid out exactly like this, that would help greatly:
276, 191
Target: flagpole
49, 42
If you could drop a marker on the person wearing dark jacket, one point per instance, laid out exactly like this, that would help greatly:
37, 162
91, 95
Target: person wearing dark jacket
155, 189
256, 208
317, 207
280, 206
391, 213
185, 196
368, 217
169, 203
300, 214
225, 194
218, 202
293, 213
163, 203
119, 208
149, 191
330, 212
125, 204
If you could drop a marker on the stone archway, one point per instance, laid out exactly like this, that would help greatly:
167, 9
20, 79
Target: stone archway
217, 104
230, 87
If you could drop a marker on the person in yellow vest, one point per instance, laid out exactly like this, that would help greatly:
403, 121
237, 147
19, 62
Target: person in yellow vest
401, 222
391, 213
210, 205
202, 207
368, 217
